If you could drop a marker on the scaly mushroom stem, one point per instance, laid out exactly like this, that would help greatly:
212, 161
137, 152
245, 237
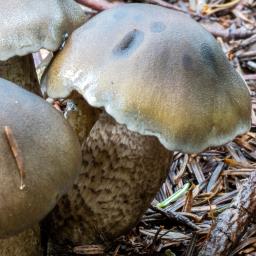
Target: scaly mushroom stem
122, 172
82, 117
21, 71
26, 243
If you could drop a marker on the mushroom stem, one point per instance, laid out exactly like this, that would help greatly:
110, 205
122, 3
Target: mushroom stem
82, 117
122, 171
21, 70
26, 243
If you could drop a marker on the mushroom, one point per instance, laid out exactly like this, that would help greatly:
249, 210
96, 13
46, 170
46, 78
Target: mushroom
167, 86
26, 27
40, 158
122, 171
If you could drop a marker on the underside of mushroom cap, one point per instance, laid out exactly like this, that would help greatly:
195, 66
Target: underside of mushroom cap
28, 25
158, 72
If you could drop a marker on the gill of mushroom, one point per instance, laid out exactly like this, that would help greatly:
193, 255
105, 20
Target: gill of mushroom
26, 27
51, 158
164, 84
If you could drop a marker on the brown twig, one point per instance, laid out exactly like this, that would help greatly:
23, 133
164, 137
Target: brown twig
166, 5
98, 5
250, 77
116, 250
17, 154
246, 55
93, 249
101, 5
247, 42
228, 34
156, 237
210, 9
176, 216
192, 245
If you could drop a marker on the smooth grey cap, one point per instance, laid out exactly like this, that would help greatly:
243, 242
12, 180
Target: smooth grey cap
28, 25
51, 154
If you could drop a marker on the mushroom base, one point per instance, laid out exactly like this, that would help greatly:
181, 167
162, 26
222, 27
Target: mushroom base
21, 71
122, 172
26, 243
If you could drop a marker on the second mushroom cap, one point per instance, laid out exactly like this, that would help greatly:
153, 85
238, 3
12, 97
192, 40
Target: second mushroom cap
39, 161
27, 26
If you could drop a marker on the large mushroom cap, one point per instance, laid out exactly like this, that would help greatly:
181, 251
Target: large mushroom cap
157, 71
28, 25
50, 152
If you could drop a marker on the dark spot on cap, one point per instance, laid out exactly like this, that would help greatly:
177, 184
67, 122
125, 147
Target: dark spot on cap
157, 27
208, 56
130, 42
187, 62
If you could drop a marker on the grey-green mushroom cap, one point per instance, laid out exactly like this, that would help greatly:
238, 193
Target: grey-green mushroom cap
51, 154
157, 71
28, 25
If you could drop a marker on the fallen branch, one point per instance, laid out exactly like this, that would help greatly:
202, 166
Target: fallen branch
232, 223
